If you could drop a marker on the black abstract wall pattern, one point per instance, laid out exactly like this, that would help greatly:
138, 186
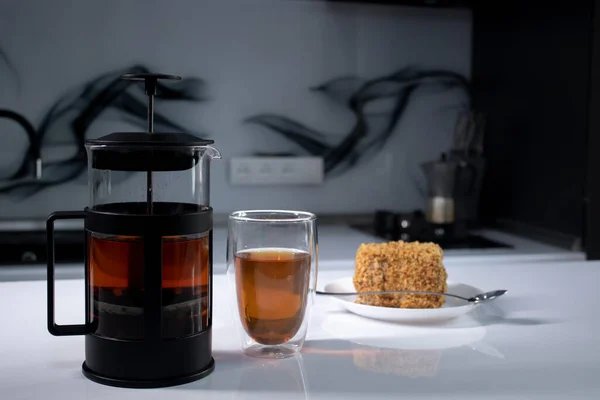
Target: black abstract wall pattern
371, 129
68, 121
5, 63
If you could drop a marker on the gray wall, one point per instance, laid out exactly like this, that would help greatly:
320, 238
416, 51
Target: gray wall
256, 56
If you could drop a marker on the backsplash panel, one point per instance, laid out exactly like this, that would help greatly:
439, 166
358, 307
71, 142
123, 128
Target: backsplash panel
339, 77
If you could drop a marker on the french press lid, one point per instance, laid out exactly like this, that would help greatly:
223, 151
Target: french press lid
146, 151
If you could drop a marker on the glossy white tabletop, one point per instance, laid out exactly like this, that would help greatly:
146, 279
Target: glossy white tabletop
540, 341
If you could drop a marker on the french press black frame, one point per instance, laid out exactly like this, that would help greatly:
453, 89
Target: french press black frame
129, 342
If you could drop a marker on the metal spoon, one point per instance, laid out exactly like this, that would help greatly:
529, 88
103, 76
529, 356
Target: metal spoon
479, 298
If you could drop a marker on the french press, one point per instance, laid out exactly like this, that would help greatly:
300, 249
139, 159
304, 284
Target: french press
148, 257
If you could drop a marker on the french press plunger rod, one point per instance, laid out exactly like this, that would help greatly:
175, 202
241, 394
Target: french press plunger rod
150, 81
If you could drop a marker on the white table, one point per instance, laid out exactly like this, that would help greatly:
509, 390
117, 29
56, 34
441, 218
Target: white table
540, 341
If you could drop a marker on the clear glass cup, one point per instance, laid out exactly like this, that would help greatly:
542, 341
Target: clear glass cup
272, 261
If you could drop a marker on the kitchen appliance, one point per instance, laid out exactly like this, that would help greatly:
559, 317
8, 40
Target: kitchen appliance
413, 226
451, 195
148, 257
467, 151
467, 187
441, 176
454, 180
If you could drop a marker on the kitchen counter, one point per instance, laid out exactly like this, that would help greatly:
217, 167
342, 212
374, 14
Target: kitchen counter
539, 341
337, 247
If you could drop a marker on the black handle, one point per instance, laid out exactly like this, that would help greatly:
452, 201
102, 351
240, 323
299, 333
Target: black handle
53, 327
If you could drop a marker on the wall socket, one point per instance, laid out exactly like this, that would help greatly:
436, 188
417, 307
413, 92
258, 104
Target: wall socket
276, 171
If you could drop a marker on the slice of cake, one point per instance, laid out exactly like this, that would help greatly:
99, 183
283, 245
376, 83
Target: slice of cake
400, 266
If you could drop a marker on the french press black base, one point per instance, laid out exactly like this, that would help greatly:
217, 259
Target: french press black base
148, 258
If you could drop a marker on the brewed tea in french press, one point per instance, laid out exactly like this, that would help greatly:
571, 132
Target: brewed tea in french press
148, 261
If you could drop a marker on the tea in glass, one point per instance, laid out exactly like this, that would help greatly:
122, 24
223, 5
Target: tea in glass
271, 266
272, 291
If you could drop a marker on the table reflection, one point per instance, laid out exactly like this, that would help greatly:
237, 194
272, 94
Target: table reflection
284, 376
412, 363
397, 349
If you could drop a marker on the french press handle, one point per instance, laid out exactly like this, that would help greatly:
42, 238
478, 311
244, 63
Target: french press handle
53, 327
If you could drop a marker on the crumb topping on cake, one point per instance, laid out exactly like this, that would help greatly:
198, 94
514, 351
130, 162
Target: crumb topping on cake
400, 266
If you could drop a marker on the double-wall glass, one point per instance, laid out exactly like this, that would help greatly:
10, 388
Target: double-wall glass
272, 260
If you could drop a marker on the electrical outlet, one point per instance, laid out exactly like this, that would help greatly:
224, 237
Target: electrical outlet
276, 170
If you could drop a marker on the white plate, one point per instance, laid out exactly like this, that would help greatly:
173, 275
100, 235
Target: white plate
451, 309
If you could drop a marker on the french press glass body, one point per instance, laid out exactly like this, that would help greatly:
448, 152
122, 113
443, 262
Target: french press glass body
148, 257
